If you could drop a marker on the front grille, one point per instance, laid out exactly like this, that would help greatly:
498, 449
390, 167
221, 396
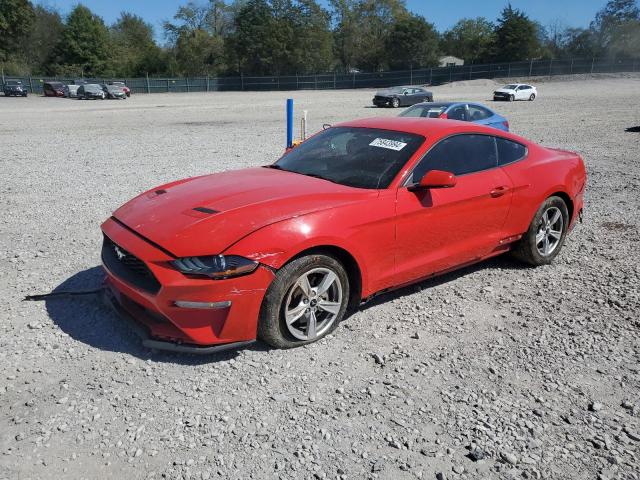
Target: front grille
128, 267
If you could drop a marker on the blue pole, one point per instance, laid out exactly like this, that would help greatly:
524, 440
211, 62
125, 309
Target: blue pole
289, 122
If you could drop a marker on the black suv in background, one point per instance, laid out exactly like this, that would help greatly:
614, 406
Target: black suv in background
14, 87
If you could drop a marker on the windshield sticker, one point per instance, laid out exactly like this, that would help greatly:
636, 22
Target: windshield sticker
386, 143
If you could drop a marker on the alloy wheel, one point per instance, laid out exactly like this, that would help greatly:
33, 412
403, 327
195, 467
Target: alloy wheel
549, 231
313, 303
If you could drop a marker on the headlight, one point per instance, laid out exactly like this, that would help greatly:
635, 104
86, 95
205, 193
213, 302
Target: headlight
215, 266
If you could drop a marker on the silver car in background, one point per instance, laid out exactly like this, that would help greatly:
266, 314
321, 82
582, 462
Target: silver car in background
71, 91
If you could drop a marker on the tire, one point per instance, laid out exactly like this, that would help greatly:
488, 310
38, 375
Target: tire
285, 296
395, 103
531, 248
532, 97
512, 98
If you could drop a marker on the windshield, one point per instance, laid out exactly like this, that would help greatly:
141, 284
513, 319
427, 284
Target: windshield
510, 87
394, 90
424, 111
13, 82
351, 156
92, 88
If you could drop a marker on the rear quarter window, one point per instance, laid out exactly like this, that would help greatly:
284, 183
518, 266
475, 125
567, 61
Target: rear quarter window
509, 151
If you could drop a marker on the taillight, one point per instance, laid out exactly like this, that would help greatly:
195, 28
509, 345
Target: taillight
443, 115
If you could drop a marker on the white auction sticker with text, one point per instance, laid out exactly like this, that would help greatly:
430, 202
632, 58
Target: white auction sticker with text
386, 143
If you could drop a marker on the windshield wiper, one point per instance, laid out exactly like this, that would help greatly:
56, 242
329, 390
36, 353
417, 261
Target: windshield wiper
274, 166
315, 175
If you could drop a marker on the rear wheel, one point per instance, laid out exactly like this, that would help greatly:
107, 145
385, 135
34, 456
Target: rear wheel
532, 97
544, 239
304, 303
395, 103
512, 98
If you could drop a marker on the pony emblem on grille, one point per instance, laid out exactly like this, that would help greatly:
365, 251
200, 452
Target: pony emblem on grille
119, 252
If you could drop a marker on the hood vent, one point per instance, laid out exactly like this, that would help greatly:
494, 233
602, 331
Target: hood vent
206, 210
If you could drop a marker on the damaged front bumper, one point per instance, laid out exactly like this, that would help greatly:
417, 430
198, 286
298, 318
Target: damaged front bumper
179, 312
147, 341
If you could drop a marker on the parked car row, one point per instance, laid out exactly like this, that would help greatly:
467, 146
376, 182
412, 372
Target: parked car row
87, 91
421, 104
80, 89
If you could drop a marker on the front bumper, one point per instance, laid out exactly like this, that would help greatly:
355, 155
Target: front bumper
185, 329
147, 341
382, 102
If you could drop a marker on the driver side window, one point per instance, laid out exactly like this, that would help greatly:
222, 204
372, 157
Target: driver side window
459, 154
457, 113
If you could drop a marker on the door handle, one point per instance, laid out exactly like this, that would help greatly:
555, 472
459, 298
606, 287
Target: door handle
499, 191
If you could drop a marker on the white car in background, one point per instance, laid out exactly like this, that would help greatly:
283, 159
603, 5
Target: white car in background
516, 91
71, 91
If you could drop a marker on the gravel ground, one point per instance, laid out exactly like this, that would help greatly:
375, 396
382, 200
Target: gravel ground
496, 371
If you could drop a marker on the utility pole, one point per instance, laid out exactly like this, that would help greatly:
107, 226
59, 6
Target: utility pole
148, 86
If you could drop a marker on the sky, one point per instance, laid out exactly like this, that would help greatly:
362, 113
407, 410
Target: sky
444, 14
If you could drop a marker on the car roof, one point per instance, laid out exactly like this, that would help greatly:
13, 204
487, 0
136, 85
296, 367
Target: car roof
438, 104
429, 127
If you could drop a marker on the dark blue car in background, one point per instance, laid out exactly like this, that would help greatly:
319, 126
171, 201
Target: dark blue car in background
464, 111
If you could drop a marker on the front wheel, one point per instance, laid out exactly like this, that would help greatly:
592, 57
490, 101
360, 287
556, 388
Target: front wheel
544, 239
305, 302
512, 98
395, 103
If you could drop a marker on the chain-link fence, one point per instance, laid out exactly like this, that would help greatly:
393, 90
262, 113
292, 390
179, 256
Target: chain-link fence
331, 81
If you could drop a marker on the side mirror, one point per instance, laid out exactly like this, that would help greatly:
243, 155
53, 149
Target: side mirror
435, 179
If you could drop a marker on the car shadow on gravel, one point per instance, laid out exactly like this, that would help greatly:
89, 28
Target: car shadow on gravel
88, 320
501, 262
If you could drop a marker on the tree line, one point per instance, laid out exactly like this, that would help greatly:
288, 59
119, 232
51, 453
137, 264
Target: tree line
278, 37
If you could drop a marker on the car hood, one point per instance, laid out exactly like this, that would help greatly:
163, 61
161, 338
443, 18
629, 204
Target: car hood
205, 215
505, 90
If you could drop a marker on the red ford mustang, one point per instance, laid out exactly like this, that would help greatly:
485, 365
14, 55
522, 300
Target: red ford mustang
281, 252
